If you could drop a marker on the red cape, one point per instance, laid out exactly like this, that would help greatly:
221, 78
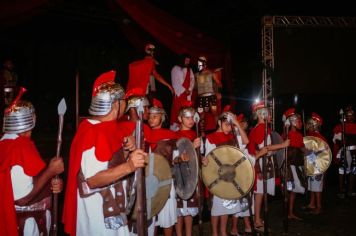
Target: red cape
189, 134
296, 139
219, 137
160, 134
139, 74
256, 137
107, 138
20, 151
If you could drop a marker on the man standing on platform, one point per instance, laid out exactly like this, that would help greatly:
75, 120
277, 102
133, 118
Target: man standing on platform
182, 77
142, 71
208, 84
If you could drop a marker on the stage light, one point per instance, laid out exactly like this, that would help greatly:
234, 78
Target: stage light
295, 99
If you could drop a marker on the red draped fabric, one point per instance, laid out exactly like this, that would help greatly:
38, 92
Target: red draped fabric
172, 32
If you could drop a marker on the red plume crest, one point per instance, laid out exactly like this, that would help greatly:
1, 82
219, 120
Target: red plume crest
21, 92
103, 78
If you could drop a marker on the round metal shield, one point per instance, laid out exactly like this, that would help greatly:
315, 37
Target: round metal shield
280, 153
186, 173
320, 159
229, 173
158, 184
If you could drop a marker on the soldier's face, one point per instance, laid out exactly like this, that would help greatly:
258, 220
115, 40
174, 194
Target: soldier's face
298, 123
155, 120
350, 118
226, 127
188, 122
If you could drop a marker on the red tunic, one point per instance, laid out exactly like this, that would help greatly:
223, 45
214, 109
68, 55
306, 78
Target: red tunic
189, 134
107, 138
160, 134
20, 151
350, 128
256, 137
296, 139
139, 73
219, 138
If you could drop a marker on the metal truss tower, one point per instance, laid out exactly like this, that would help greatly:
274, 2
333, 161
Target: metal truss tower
268, 25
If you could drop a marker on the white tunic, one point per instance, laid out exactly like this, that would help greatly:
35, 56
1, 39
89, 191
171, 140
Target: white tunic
90, 217
315, 183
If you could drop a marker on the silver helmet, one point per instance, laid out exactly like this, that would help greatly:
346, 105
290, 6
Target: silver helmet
314, 122
137, 101
105, 92
202, 63
227, 114
157, 108
290, 117
186, 109
20, 116
187, 112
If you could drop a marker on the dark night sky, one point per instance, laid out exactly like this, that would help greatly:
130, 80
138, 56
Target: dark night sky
79, 36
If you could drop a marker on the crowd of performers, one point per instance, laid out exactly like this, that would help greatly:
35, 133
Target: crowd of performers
104, 156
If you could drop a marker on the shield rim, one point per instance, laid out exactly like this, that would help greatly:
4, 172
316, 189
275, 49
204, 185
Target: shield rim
197, 170
252, 168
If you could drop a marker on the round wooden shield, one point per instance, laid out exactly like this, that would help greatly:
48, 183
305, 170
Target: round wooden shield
320, 159
186, 173
229, 173
158, 184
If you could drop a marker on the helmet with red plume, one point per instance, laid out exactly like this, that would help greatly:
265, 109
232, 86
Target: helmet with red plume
20, 116
105, 92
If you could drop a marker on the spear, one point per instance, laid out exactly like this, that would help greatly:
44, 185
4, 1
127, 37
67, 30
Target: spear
200, 186
62, 107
